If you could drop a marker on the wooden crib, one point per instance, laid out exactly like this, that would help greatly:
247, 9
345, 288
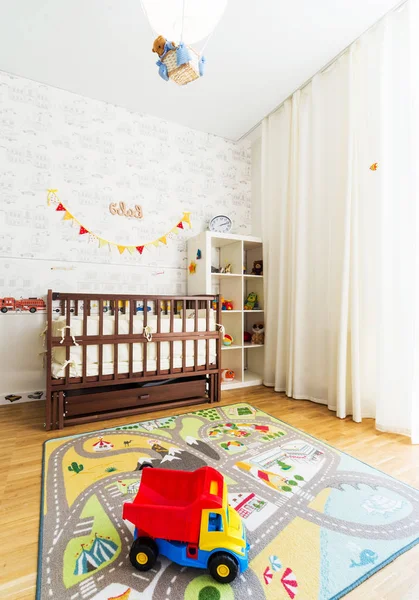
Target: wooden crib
111, 355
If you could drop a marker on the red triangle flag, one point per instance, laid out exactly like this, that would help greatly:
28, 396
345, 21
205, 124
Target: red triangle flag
82, 230
140, 249
60, 207
180, 225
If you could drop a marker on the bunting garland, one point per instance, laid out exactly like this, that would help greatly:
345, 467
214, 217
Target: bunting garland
52, 199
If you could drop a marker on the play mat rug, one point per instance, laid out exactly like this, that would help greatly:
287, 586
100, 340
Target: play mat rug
319, 522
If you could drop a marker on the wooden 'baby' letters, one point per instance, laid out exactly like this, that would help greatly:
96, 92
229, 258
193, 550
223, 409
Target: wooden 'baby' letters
123, 211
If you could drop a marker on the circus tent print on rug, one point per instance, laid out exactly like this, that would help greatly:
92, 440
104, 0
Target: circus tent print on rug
102, 445
318, 521
102, 550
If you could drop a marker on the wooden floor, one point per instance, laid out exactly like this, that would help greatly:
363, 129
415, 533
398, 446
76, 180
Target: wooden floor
20, 482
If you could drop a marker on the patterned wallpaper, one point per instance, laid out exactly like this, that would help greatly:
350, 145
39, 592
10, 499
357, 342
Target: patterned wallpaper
96, 154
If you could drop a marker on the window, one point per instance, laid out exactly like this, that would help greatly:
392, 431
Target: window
215, 522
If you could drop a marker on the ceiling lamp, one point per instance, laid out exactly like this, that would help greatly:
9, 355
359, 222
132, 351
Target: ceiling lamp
176, 24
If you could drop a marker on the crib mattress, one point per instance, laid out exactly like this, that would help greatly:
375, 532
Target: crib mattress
92, 352
58, 369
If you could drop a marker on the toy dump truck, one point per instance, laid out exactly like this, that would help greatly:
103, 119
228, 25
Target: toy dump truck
185, 517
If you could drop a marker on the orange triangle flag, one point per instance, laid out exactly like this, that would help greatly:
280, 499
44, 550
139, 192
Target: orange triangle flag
67, 216
121, 249
163, 240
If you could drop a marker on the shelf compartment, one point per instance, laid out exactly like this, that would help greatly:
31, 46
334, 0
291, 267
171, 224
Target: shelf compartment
250, 378
233, 326
233, 360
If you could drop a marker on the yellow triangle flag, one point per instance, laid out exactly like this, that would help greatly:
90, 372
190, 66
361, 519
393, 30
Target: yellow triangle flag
163, 240
131, 249
67, 216
187, 218
175, 230
121, 249
155, 243
51, 193
102, 242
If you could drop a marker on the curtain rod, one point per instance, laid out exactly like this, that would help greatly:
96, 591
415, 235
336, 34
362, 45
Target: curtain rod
323, 69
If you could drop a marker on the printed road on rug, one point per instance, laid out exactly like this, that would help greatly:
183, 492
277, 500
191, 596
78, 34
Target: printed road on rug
319, 522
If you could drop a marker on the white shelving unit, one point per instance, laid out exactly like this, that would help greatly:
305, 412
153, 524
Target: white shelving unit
218, 250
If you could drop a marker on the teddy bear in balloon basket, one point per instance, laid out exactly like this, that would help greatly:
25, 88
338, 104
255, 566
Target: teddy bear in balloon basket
178, 62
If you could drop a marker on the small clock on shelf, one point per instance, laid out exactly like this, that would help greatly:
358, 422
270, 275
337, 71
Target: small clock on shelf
221, 224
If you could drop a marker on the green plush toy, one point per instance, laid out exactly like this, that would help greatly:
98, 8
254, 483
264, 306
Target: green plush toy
251, 301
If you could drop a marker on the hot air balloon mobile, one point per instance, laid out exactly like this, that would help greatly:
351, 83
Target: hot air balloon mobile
183, 22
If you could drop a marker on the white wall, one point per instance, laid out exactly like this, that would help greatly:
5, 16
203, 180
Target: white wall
96, 153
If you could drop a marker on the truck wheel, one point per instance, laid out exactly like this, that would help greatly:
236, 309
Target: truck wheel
145, 465
32, 309
144, 553
223, 567
4, 309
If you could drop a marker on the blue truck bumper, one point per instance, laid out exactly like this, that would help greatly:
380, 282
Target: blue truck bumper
177, 552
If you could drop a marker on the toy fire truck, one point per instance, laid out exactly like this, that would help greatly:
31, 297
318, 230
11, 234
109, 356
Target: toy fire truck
24, 304
185, 517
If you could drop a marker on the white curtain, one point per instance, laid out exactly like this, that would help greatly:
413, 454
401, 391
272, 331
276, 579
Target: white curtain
341, 249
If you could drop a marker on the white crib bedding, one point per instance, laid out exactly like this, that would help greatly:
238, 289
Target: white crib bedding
92, 352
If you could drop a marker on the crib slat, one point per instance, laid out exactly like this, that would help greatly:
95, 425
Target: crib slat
183, 330
67, 332
172, 312
100, 347
116, 318
145, 343
207, 328
158, 315
132, 308
86, 312
196, 341
115, 360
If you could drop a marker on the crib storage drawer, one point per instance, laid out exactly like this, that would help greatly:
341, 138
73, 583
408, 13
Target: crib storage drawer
81, 403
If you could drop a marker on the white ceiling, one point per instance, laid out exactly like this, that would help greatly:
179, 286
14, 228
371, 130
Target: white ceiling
261, 52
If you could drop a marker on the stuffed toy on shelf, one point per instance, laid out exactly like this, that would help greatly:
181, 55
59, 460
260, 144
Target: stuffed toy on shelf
251, 302
227, 375
258, 336
226, 269
228, 339
257, 267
